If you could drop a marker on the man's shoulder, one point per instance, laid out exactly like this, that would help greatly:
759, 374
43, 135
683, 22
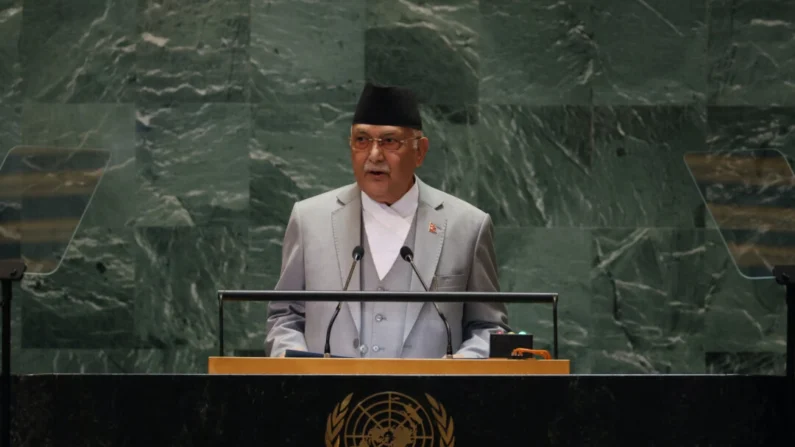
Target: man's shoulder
324, 202
458, 208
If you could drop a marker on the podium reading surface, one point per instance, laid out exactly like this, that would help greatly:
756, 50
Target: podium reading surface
346, 366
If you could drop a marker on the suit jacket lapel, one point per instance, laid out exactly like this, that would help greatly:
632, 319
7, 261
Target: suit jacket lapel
428, 240
346, 225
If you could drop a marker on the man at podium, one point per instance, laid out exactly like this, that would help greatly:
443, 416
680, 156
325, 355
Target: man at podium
386, 214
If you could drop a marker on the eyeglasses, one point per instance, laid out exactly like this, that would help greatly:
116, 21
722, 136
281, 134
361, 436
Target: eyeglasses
390, 144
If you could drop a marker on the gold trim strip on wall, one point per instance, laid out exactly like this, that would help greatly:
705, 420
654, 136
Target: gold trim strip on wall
38, 231
38, 184
736, 217
750, 255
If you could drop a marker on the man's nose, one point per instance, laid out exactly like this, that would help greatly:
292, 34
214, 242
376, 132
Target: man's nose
375, 152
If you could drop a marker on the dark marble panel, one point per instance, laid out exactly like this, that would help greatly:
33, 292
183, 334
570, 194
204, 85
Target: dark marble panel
745, 315
17, 298
112, 361
745, 127
75, 361
757, 363
93, 126
88, 301
549, 260
451, 163
10, 129
176, 361
751, 52
192, 51
429, 46
199, 410
193, 165
650, 52
178, 272
264, 260
78, 51
305, 51
550, 65
641, 176
244, 322
535, 165
10, 69
651, 290
275, 184
297, 151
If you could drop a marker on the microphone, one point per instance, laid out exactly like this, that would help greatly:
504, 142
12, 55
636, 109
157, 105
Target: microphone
358, 253
408, 256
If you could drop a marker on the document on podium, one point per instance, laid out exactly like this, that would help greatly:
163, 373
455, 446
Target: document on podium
44, 194
306, 354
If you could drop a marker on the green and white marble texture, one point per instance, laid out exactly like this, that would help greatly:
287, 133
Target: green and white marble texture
10, 132
551, 63
177, 272
566, 120
429, 46
751, 53
92, 126
640, 177
191, 51
10, 70
535, 165
192, 164
77, 52
305, 51
649, 52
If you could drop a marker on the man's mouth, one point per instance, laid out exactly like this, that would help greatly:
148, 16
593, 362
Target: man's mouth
378, 174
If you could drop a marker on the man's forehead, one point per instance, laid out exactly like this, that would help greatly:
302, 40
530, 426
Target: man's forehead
373, 129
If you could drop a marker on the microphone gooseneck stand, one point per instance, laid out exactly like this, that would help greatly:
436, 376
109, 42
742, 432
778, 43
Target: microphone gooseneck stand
358, 253
10, 271
408, 256
785, 275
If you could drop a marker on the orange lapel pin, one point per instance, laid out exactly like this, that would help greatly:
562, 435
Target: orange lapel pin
432, 228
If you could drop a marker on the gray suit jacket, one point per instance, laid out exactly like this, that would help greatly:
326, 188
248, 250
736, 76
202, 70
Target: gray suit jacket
316, 255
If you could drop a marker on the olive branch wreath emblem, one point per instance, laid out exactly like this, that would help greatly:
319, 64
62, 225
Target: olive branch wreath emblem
336, 420
443, 422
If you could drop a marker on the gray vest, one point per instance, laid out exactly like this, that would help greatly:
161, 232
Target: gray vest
383, 322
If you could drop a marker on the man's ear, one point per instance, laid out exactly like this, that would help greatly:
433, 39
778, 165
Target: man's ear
422, 150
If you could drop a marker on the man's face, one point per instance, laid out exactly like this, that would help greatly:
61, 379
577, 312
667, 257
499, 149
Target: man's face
385, 169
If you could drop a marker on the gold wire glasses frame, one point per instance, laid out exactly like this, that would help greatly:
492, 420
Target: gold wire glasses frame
390, 144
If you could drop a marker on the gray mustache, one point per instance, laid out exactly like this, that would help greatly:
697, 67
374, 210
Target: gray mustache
373, 168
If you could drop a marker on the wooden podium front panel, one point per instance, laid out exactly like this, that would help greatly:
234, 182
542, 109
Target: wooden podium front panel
332, 366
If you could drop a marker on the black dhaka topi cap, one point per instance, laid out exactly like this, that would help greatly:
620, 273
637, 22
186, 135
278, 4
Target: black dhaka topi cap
388, 106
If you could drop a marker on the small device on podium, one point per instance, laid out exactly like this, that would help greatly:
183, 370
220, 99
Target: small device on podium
504, 345
292, 353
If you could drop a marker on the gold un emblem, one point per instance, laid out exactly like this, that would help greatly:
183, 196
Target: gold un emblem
389, 419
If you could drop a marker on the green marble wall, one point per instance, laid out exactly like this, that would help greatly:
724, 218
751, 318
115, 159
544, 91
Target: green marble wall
567, 121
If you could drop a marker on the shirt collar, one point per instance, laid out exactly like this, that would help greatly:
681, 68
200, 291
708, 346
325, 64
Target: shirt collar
406, 206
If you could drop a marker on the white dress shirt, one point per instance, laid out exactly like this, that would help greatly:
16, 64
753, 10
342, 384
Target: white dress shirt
387, 227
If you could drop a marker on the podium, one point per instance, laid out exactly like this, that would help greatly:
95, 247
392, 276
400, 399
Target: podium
386, 367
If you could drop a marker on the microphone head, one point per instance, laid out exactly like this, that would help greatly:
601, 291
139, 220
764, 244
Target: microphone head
358, 252
406, 253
